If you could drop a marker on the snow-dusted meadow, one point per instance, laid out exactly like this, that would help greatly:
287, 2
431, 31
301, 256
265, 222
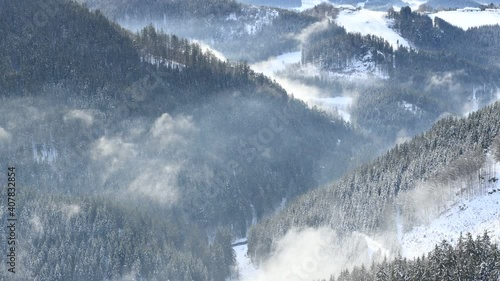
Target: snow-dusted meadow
466, 20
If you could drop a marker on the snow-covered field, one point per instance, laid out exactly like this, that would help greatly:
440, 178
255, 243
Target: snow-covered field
370, 22
475, 216
466, 20
246, 270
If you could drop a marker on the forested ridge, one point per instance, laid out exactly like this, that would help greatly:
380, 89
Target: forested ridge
411, 87
240, 31
370, 192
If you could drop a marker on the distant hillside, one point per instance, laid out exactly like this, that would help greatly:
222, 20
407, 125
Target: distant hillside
275, 3
407, 98
451, 4
366, 200
240, 31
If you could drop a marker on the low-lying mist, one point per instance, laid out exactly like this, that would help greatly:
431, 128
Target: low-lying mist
319, 253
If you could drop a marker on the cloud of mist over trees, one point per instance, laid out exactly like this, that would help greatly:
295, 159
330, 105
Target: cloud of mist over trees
188, 157
318, 253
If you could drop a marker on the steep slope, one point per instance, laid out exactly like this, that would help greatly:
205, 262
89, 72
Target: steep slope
477, 215
371, 198
470, 259
240, 31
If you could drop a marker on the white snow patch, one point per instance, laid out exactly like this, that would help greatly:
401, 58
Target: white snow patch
370, 22
410, 107
466, 20
246, 270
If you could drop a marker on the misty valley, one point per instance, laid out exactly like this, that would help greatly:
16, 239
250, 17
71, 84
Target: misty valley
224, 140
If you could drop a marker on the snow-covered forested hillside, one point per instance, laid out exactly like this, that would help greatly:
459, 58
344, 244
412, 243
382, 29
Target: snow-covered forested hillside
394, 193
153, 138
466, 20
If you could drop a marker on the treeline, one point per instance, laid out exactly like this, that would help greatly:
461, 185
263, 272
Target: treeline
363, 200
334, 49
176, 9
470, 259
477, 45
240, 31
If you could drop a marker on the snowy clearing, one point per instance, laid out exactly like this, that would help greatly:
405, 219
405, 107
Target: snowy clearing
246, 270
466, 20
370, 22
